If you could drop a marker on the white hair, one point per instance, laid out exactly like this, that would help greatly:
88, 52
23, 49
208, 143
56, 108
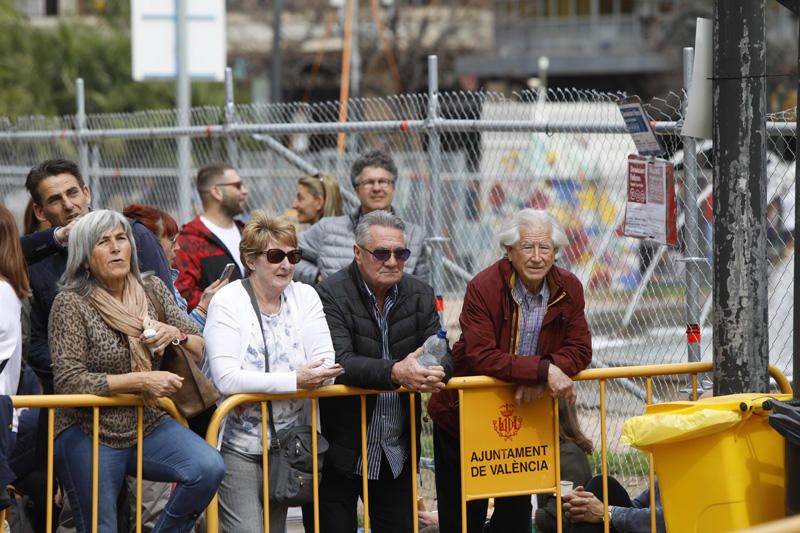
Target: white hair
377, 218
508, 235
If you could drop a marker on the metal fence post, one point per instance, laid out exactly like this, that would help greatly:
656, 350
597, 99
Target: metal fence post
435, 161
80, 126
230, 119
693, 255
183, 97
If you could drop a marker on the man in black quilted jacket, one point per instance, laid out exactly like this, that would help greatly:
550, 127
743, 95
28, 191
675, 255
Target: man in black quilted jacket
379, 320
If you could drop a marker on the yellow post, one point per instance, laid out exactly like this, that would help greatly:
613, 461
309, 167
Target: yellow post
557, 433
413, 414
95, 464
264, 463
604, 452
463, 465
650, 454
139, 446
364, 461
315, 462
50, 433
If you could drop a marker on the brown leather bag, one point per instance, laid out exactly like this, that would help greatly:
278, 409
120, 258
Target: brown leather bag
197, 393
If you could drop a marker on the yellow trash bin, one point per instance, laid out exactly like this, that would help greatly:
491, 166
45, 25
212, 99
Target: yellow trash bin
719, 463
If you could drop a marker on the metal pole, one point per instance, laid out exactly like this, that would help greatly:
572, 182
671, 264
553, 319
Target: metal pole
96, 172
355, 57
183, 99
692, 231
355, 80
791, 450
277, 12
741, 335
434, 156
230, 118
80, 127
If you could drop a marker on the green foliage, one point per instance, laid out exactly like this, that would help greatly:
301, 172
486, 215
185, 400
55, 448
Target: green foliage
632, 463
39, 66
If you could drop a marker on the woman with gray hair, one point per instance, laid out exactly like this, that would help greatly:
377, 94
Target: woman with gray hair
107, 337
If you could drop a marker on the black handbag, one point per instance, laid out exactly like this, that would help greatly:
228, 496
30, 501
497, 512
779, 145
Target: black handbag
290, 460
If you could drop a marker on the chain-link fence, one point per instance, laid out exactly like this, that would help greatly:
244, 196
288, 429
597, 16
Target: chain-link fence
466, 161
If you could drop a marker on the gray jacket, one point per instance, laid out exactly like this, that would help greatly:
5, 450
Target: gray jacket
328, 247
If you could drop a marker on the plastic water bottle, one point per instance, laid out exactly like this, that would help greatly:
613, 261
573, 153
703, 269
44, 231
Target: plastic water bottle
434, 349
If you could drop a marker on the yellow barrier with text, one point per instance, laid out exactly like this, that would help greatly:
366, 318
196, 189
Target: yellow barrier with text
507, 449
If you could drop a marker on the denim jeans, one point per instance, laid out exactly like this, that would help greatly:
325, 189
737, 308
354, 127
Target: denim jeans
241, 496
171, 453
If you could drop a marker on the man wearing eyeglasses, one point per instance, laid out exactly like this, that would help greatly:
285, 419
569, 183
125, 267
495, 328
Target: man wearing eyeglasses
211, 240
328, 245
378, 318
522, 321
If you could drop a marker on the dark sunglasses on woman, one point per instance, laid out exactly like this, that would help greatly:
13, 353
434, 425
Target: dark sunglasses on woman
275, 256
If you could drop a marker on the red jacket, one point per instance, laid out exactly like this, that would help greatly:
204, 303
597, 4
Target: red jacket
200, 259
489, 335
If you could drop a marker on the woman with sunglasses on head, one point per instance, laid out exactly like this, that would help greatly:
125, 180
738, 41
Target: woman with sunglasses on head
317, 196
283, 347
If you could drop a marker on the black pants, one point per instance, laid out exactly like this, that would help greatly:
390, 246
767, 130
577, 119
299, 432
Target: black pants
617, 495
511, 514
390, 502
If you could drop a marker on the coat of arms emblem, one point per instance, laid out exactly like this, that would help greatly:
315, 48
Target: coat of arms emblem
507, 425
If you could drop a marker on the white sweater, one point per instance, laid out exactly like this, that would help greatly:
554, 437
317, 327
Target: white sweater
231, 320
10, 338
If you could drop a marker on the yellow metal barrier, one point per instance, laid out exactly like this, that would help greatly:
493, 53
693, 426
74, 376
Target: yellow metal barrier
459, 383
52, 402
786, 525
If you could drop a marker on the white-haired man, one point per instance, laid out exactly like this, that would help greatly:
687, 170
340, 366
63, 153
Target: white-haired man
522, 321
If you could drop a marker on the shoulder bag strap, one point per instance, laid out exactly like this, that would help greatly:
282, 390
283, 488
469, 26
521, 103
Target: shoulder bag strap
249, 288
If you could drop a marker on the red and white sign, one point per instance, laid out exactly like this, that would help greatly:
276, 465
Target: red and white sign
650, 212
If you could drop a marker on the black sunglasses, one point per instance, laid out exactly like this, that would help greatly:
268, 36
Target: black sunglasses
383, 254
276, 256
237, 184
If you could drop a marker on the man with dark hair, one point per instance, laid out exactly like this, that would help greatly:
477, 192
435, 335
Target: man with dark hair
60, 197
328, 245
211, 240
379, 318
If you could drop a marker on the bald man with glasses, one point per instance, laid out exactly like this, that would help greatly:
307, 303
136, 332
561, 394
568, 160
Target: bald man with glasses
211, 240
328, 245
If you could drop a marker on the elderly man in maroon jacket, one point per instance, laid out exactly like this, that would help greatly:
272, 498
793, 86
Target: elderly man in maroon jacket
523, 322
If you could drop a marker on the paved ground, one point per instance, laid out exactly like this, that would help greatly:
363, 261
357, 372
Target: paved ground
294, 526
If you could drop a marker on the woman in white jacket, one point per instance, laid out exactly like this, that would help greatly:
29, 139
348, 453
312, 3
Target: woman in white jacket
14, 286
300, 351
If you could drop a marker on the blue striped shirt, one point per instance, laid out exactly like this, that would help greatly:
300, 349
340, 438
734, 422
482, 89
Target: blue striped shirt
387, 427
532, 309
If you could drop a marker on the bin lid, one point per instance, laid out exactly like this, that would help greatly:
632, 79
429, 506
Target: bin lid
679, 421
